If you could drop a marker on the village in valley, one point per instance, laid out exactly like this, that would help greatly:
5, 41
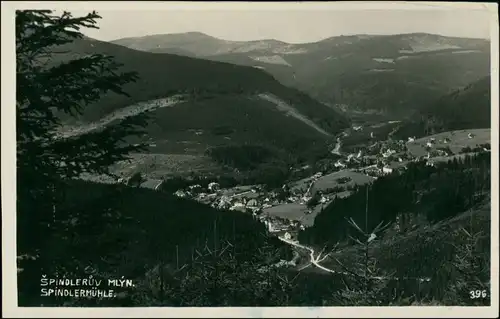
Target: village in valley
251, 164
294, 206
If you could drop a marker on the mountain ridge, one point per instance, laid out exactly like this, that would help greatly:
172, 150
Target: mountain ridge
364, 72
203, 34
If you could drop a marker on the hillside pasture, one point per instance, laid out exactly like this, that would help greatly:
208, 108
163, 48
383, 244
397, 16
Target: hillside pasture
301, 185
458, 140
295, 211
332, 180
292, 211
235, 191
155, 166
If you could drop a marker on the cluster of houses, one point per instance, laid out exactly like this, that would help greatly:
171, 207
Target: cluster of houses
213, 195
252, 200
381, 158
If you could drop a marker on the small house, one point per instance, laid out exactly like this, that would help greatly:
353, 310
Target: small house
224, 202
386, 170
252, 203
339, 164
180, 193
442, 153
239, 206
213, 187
318, 175
388, 153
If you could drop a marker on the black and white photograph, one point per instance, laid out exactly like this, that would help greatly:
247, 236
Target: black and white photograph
197, 156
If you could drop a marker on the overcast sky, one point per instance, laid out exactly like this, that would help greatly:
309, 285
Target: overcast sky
289, 22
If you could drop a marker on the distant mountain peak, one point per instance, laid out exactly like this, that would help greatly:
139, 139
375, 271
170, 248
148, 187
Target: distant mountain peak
197, 33
189, 33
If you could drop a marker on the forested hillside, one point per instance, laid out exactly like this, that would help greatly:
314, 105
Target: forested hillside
465, 108
122, 231
168, 74
421, 192
392, 74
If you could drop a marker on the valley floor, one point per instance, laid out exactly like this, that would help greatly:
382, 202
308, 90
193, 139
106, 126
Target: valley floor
285, 217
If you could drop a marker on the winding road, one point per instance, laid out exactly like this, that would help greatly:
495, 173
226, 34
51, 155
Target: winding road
316, 262
336, 149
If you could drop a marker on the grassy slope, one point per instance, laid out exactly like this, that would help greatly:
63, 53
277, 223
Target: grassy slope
458, 140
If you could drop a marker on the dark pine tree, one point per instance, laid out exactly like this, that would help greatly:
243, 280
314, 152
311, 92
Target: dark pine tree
46, 159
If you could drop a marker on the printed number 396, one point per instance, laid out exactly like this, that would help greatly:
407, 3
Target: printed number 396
475, 294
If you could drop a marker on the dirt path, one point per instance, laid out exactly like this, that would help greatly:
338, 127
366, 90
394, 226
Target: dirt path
315, 260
